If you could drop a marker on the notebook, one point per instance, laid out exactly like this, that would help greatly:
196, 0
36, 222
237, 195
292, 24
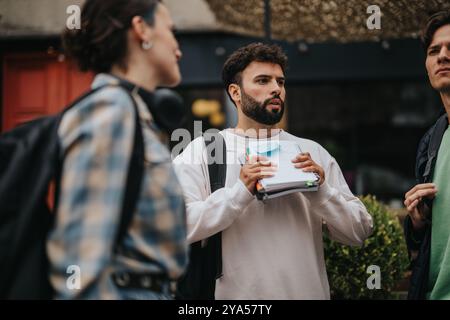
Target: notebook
287, 179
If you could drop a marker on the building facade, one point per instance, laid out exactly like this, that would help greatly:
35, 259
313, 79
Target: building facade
367, 102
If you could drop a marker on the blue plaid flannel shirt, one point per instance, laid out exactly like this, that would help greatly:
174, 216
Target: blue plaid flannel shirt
96, 138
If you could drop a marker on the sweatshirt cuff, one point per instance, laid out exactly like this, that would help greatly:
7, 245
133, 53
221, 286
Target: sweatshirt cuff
240, 196
319, 197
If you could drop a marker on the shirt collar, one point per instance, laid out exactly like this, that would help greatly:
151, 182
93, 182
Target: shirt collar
102, 79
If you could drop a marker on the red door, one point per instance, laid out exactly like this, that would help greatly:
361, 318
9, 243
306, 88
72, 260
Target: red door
38, 84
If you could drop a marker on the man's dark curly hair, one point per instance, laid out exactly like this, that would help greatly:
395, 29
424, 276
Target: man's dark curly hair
435, 21
241, 58
102, 40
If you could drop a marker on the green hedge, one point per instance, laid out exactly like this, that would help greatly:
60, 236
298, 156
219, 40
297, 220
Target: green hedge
386, 248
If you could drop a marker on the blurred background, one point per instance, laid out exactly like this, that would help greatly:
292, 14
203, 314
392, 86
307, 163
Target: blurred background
362, 93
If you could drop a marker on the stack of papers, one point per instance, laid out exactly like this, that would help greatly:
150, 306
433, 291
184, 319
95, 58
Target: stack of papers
288, 178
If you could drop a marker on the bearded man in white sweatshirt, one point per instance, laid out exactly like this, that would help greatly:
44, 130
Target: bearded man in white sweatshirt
271, 249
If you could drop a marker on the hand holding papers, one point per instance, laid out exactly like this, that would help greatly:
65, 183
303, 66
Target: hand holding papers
287, 179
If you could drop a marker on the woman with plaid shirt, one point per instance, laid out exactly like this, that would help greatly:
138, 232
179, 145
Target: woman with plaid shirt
127, 43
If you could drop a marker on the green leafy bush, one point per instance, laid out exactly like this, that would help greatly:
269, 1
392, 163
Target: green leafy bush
347, 266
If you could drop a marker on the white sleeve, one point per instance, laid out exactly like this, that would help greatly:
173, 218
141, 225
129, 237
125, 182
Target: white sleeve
346, 217
207, 213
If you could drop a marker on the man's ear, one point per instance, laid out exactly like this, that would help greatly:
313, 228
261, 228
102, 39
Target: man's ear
235, 92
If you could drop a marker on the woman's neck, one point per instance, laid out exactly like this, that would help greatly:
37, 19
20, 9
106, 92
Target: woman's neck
142, 78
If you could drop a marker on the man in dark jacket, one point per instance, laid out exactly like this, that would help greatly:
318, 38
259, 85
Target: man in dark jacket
427, 228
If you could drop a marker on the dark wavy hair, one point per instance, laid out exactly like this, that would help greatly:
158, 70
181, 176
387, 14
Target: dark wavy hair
435, 21
241, 58
101, 41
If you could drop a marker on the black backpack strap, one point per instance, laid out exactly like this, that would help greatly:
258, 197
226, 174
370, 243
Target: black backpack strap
134, 178
432, 152
217, 170
205, 257
433, 147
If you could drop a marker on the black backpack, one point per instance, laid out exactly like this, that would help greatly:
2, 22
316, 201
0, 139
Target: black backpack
205, 257
29, 162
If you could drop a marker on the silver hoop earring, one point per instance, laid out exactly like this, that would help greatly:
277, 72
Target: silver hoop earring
147, 45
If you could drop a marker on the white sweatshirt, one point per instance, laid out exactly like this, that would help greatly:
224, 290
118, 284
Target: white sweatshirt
271, 250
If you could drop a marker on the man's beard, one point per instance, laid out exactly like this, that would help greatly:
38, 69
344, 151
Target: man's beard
258, 111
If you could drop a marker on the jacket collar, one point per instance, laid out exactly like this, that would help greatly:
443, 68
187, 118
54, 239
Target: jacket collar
103, 79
